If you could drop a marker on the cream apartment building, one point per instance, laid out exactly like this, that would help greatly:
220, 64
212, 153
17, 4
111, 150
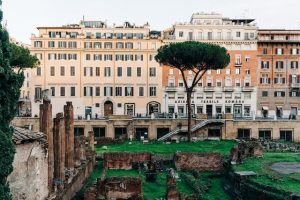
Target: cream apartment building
231, 90
103, 70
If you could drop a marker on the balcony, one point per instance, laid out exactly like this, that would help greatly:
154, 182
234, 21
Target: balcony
247, 89
228, 89
171, 89
237, 64
295, 85
209, 89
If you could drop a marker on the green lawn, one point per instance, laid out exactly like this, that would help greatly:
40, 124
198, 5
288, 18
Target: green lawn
267, 176
222, 147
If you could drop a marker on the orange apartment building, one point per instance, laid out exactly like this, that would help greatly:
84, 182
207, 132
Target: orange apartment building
279, 75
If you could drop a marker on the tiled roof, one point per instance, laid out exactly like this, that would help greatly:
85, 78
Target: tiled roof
22, 135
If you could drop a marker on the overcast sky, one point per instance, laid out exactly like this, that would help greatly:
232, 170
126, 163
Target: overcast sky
23, 16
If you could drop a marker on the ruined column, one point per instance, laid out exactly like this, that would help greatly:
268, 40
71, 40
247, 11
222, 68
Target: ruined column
77, 144
46, 128
91, 141
82, 149
69, 131
59, 145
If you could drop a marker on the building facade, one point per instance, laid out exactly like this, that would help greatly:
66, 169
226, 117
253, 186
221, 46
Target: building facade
231, 90
103, 70
278, 71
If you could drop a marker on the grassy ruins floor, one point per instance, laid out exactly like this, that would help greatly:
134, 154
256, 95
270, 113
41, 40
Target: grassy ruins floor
222, 147
266, 176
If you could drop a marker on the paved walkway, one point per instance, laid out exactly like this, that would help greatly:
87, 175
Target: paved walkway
286, 167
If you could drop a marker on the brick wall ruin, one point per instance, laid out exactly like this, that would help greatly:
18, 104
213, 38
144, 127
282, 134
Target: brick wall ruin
115, 188
124, 160
198, 161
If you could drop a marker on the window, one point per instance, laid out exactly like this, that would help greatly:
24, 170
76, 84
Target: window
37, 93
108, 91
209, 36
39, 56
238, 83
279, 64
119, 35
52, 91
279, 79
97, 45
119, 45
265, 51
97, 92
88, 45
208, 83
238, 59
38, 44
107, 57
62, 91
97, 57
88, 71
72, 71
265, 134
99, 132
128, 71
247, 110
279, 94
87, 56
139, 57
243, 134
265, 79
107, 72
237, 71
294, 64
141, 91
152, 91
38, 71
119, 57
227, 109
286, 135
199, 109
72, 91
98, 35
88, 91
129, 45
294, 94
279, 51
97, 71
138, 71
107, 45
72, 45
227, 71
78, 131
264, 93
62, 70
51, 34
238, 34
247, 59
51, 44
218, 83
180, 33
119, 71
51, 56
62, 44
129, 57
62, 56
294, 51
118, 91
218, 71
128, 91
52, 71
72, 56
88, 35
265, 64
152, 71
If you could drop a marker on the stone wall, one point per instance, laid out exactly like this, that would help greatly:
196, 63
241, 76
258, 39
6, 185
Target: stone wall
198, 161
115, 188
124, 160
29, 179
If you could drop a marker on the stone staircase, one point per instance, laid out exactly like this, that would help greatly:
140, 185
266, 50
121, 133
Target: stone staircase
194, 128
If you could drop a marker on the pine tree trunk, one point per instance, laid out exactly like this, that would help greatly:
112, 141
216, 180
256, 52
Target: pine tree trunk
189, 94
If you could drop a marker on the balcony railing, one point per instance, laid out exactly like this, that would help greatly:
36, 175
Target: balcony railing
170, 89
295, 85
237, 64
228, 89
209, 89
247, 89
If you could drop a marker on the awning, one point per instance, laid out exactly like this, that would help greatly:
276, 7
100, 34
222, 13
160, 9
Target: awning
265, 108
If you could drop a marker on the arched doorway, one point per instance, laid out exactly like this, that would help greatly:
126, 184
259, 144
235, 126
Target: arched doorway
153, 107
108, 108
